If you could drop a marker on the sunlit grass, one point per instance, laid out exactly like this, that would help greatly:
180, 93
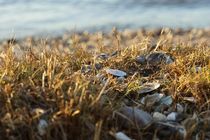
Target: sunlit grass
77, 105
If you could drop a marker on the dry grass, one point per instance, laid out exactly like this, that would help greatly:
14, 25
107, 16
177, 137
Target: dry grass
43, 80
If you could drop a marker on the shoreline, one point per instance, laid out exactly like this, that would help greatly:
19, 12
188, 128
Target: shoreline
60, 33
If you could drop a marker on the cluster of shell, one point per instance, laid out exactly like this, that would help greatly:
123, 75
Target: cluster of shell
167, 119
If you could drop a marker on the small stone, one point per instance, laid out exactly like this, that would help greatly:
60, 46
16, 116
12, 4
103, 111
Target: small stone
121, 136
166, 100
172, 116
42, 126
159, 116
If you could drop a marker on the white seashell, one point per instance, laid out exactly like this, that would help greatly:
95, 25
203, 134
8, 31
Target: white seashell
116, 72
148, 87
121, 136
42, 126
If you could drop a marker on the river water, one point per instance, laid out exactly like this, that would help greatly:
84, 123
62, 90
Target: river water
46, 17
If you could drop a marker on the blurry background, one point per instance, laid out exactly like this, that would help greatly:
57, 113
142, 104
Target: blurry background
52, 17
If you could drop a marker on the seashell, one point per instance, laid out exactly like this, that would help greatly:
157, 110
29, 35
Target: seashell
141, 60
42, 126
169, 130
150, 100
116, 72
103, 56
159, 116
148, 87
190, 99
133, 115
121, 136
166, 100
158, 58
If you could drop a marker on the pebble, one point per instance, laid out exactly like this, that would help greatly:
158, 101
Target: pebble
42, 126
121, 136
166, 100
172, 116
159, 116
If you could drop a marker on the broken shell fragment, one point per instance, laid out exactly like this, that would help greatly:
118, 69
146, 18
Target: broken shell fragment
116, 72
148, 87
133, 115
121, 136
158, 58
150, 100
42, 126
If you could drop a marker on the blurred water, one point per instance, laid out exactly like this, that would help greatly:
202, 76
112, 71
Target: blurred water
30, 17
